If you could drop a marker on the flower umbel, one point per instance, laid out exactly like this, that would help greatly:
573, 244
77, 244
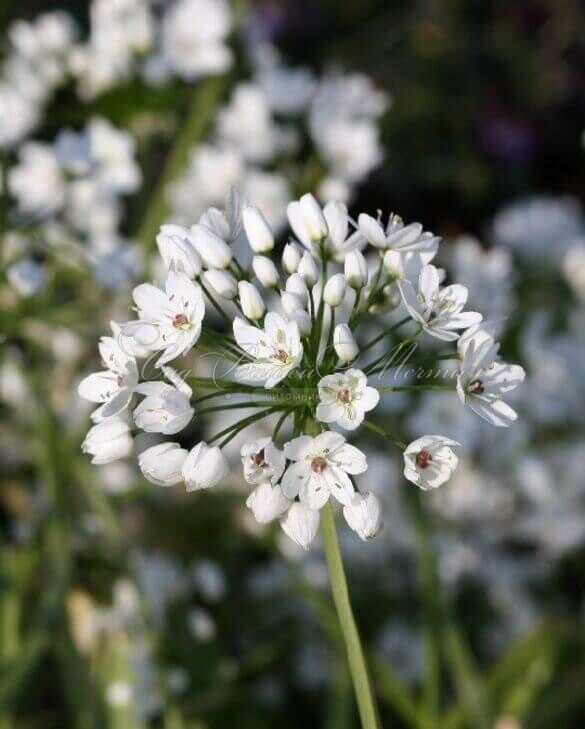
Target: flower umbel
292, 338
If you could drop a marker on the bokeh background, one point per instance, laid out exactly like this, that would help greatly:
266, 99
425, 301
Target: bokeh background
126, 606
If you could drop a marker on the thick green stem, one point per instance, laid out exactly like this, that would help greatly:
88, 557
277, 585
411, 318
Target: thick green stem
367, 708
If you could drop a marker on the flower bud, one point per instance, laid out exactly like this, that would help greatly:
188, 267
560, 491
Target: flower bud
265, 271
307, 220
356, 269
300, 524
267, 503
165, 409
296, 285
162, 463
334, 292
291, 303
303, 321
364, 515
108, 441
257, 230
291, 257
250, 300
204, 467
222, 282
214, 251
344, 343
308, 269
177, 251
216, 221
393, 263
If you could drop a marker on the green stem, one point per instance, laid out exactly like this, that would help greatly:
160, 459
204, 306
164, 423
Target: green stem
199, 114
385, 332
384, 433
366, 702
214, 303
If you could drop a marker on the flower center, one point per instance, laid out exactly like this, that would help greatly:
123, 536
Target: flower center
318, 464
281, 355
344, 395
259, 459
180, 321
423, 459
476, 387
120, 381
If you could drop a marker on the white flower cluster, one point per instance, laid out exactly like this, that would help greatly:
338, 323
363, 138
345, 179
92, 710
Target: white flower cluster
74, 188
294, 353
266, 121
126, 38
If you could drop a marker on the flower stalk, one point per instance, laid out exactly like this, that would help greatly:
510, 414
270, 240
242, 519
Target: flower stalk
362, 685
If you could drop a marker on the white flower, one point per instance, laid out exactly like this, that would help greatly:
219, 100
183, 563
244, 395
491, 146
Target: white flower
36, 181
222, 282
166, 407
345, 398
262, 461
214, 251
250, 300
258, 231
177, 251
265, 271
193, 37
308, 269
108, 441
307, 220
291, 257
300, 524
170, 319
161, 464
321, 467
429, 461
114, 386
27, 277
408, 265
396, 235
275, 350
204, 467
482, 380
573, 268
438, 310
356, 269
267, 503
344, 343
339, 241
112, 155
364, 515
334, 291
